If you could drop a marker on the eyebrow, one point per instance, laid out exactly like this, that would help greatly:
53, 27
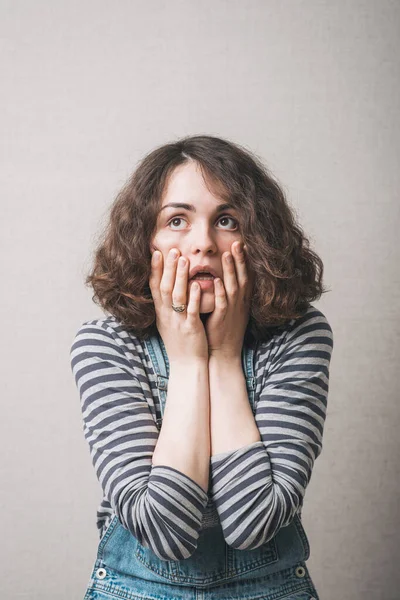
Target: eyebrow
190, 207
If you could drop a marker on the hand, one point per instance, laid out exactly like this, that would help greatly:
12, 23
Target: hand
226, 325
183, 333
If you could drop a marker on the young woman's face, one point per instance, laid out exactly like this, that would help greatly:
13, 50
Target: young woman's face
201, 232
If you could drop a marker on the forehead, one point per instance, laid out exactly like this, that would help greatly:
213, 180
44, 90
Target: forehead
187, 183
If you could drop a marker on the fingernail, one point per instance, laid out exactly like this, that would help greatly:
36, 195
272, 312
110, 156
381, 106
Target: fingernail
156, 257
174, 253
239, 248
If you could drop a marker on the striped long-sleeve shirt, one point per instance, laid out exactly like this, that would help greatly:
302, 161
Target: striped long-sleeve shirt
256, 489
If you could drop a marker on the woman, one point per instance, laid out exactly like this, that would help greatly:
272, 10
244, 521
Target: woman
234, 364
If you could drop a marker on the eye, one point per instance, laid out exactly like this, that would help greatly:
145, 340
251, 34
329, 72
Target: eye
174, 219
224, 217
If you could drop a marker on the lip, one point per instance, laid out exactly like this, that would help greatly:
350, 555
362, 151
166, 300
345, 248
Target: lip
205, 285
199, 268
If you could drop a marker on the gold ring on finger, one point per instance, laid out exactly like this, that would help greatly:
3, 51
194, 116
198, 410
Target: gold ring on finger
178, 307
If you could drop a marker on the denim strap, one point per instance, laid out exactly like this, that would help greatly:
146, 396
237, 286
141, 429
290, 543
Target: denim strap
159, 358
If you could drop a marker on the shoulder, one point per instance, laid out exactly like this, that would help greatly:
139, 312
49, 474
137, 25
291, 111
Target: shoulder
312, 322
107, 334
108, 327
309, 330
105, 347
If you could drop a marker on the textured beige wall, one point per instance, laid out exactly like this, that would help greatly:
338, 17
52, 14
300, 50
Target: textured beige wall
88, 87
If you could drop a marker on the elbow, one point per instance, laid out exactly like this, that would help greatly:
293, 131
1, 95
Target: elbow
248, 540
249, 543
155, 535
146, 549
251, 533
242, 544
171, 556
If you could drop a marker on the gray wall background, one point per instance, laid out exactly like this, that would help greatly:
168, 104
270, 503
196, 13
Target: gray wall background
88, 87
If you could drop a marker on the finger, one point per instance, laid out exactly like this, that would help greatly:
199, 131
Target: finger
180, 288
193, 308
168, 278
155, 276
230, 279
221, 300
240, 265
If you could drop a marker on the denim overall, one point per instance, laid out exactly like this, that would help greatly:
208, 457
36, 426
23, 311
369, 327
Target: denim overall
276, 570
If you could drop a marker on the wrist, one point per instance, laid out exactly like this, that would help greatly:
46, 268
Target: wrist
225, 359
223, 356
188, 364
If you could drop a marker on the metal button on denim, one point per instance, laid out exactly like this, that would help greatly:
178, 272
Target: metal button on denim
300, 571
101, 573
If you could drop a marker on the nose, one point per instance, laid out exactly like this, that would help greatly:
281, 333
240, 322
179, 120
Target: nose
202, 241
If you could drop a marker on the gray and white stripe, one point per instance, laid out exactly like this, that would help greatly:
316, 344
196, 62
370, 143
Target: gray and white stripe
256, 489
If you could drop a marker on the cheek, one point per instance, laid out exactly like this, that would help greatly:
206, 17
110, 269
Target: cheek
163, 242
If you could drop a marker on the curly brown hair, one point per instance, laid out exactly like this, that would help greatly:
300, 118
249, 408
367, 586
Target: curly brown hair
288, 274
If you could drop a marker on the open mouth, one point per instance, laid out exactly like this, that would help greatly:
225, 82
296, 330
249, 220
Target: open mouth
205, 282
203, 277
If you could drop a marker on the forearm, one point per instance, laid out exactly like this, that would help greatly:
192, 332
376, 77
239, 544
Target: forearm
232, 423
184, 439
